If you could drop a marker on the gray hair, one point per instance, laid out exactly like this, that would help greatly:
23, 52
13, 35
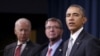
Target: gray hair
23, 20
55, 20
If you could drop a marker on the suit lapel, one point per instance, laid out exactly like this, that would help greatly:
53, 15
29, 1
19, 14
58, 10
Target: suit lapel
59, 50
75, 47
12, 52
44, 51
26, 49
77, 43
65, 48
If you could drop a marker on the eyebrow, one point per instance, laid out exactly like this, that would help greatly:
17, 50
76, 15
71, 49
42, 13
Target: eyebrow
72, 13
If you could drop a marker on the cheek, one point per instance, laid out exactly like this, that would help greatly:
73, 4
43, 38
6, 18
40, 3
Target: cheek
79, 23
66, 19
58, 32
46, 32
78, 20
16, 33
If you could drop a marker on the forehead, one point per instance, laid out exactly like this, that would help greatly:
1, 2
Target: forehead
73, 10
22, 24
52, 23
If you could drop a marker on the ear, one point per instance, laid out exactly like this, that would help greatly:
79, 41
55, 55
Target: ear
84, 20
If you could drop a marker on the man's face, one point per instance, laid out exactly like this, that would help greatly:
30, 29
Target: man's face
53, 30
74, 19
22, 31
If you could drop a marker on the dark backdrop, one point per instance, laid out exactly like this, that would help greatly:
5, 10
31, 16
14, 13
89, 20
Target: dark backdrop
11, 10
38, 11
7, 21
57, 8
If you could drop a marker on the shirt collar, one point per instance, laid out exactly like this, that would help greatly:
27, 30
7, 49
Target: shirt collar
76, 34
55, 46
18, 43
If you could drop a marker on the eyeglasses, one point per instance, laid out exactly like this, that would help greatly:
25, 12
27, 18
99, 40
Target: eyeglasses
53, 27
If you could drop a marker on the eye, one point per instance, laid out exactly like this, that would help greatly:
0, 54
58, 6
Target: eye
68, 15
76, 14
54, 27
57, 27
21, 29
48, 27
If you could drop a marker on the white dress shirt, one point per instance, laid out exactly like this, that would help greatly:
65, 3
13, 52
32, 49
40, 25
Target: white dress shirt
76, 34
23, 45
54, 47
73, 37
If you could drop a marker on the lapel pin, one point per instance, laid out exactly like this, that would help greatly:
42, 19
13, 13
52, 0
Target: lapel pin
60, 50
77, 43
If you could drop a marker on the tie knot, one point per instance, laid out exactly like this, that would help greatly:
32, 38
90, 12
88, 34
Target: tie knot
50, 49
71, 39
18, 50
19, 45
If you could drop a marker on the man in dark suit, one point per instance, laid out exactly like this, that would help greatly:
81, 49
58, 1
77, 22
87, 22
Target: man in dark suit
82, 43
23, 47
53, 31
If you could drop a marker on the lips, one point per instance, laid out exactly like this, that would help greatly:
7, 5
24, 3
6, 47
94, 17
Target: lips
71, 23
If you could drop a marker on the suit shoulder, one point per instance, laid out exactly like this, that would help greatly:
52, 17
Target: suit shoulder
36, 45
91, 37
10, 45
65, 42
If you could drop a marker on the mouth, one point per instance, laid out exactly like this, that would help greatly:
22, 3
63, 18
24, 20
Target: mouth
71, 23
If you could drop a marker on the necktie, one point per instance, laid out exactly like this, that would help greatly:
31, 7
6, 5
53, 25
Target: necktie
70, 44
49, 52
18, 50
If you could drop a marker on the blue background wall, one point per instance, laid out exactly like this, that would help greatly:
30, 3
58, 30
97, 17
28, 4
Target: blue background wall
57, 8
38, 11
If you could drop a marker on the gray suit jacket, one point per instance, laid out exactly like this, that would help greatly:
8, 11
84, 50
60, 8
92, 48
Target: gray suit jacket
85, 45
30, 49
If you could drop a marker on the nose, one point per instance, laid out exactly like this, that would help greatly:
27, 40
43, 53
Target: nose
71, 18
52, 29
23, 32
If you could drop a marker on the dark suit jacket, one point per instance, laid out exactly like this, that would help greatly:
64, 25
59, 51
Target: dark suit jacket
85, 45
58, 51
30, 49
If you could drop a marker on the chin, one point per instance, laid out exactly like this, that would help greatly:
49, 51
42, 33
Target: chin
71, 29
24, 40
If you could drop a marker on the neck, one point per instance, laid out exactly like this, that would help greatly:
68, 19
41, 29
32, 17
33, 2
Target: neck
73, 31
53, 41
